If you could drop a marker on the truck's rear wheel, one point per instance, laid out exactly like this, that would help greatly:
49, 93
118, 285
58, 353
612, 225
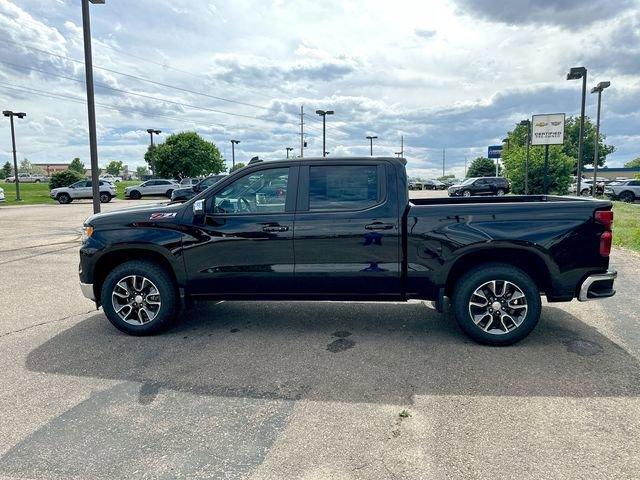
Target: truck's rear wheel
496, 304
139, 298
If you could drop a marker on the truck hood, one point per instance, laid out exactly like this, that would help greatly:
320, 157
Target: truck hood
149, 213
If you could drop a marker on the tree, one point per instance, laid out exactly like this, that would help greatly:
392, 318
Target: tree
572, 134
141, 171
25, 166
6, 171
114, 167
483, 167
64, 178
77, 166
185, 154
238, 166
560, 169
635, 163
445, 177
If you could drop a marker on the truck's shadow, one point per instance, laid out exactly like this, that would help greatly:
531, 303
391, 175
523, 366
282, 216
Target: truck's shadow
342, 352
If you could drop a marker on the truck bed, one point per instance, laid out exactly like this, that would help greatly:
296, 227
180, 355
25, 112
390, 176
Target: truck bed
498, 200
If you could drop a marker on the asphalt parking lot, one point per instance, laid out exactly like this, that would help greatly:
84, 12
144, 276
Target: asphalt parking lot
275, 390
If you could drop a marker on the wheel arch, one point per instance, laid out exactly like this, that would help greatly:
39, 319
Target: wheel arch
110, 260
531, 263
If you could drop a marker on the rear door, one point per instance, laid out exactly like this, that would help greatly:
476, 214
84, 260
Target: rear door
347, 235
82, 190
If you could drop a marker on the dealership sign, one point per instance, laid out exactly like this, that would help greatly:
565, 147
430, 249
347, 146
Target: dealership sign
547, 129
494, 151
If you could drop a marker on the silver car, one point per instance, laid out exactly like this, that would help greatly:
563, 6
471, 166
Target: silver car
151, 187
627, 191
82, 189
1, 194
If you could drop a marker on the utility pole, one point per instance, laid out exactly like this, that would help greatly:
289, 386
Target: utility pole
288, 150
370, 138
443, 160
323, 114
402, 145
91, 107
465, 166
597, 89
576, 73
10, 114
151, 132
233, 153
301, 131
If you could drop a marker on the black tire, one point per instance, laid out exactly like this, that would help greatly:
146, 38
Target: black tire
37, 181
585, 192
466, 193
135, 195
105, 197
474, 279
627, 197
63, 198
168, 310
169, 192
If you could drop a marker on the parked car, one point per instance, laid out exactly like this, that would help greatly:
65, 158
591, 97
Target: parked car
183, 194
189, 182
151, 187
27, 178
586, 188
83, 189
2, 199
415, 185
111, 178
356, 236
627, 191
480, 186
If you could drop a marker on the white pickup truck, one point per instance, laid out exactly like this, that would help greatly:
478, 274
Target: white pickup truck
27, 178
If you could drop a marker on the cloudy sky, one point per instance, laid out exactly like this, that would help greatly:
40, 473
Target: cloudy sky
454, 74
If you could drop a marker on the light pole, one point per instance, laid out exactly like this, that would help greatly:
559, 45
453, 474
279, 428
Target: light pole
288, 150
370, 138
151, 132
233, 153
574, 74
398, 154
597, 89
527, 123
323, 114
10, 114
91, 107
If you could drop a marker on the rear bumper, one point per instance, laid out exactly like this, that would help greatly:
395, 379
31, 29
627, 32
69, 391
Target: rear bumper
597, 286
87, 290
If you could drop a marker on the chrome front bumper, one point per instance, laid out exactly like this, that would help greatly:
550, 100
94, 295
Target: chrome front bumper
87, 290
597, 286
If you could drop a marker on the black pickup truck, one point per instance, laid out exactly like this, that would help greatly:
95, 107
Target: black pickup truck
345, 229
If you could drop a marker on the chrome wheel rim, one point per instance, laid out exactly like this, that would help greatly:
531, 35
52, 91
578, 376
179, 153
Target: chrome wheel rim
136, 300
498, 307
467, 194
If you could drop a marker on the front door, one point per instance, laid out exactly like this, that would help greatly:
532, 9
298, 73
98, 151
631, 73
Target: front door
347, 238
245, 246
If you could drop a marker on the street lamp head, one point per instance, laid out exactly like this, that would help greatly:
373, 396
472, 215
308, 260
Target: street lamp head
321, 112
525, 123
7, 113
21, 115
371, 137
600, 87
235, 141
505, 140
97, 2
329, 112
576, 72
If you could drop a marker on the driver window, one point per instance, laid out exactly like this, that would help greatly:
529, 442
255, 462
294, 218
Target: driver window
264, 191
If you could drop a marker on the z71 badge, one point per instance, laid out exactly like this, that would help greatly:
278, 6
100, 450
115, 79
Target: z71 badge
161, 216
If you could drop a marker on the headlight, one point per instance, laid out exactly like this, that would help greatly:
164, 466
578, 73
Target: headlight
87, 231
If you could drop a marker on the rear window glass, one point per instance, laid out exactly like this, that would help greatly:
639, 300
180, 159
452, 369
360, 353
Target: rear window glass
349, 187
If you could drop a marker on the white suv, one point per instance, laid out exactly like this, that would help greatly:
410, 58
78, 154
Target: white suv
82, 189
151, 187
627, 191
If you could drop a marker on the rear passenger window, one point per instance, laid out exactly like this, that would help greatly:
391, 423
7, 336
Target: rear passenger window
349, 187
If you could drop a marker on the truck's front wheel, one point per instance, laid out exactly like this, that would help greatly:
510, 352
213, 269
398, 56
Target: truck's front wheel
139, 298
496, 304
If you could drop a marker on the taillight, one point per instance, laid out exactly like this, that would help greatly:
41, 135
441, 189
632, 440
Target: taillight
605, 217
605, 243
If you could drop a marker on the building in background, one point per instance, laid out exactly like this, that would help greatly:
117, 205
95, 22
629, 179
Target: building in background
612, 173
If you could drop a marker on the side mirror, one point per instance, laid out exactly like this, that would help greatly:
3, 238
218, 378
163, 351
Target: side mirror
198, 211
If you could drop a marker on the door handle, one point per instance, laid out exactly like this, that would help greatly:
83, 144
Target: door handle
274, 228
379, 226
